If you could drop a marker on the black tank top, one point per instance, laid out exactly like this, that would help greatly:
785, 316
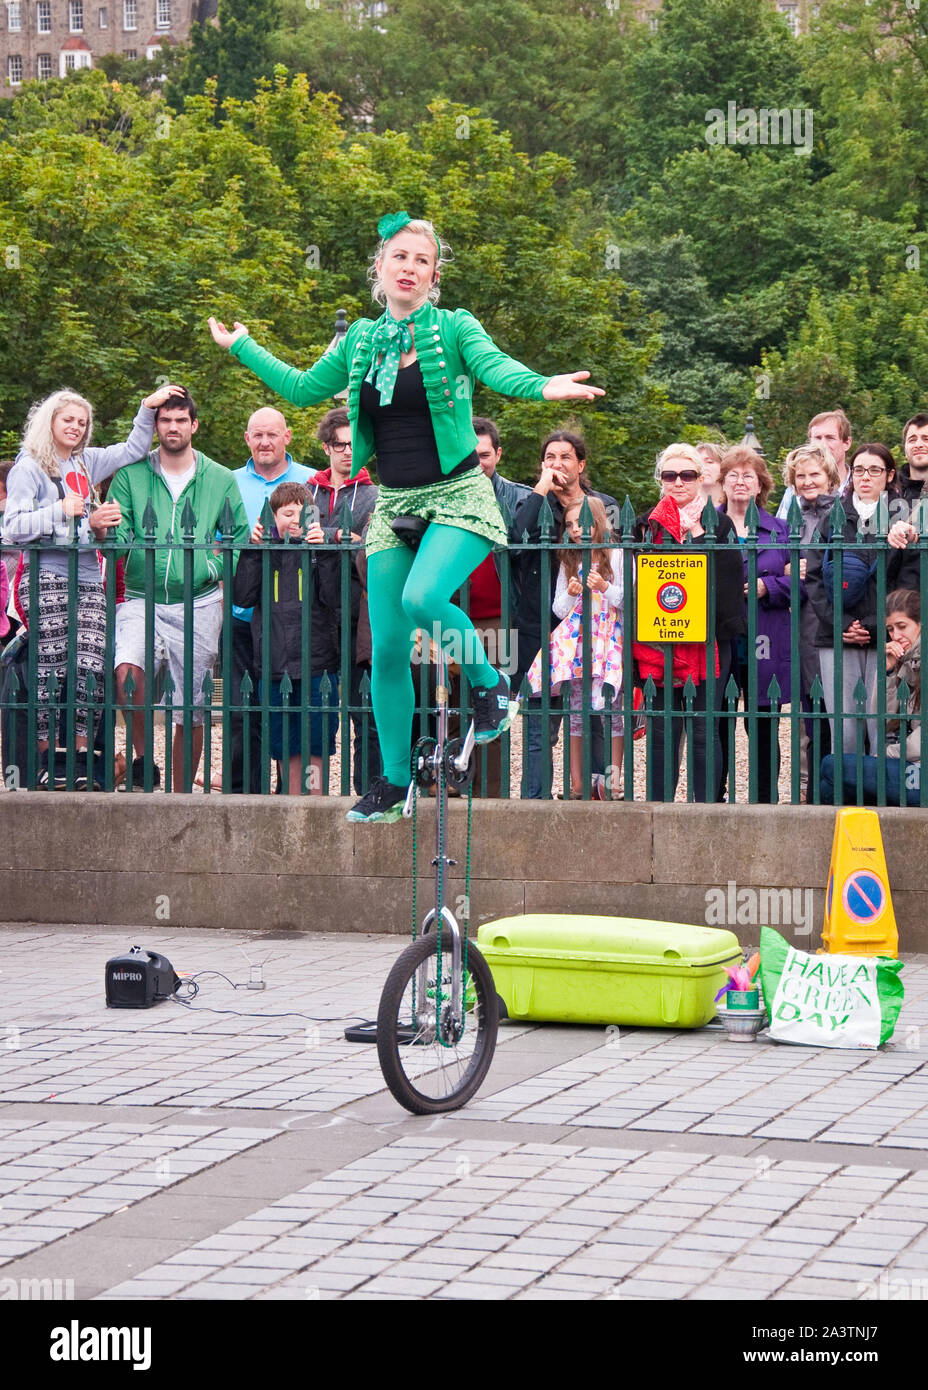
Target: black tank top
404, 439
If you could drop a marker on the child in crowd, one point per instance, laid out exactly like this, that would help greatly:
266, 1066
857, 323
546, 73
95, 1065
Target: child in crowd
903, 666
604, 580
284, 596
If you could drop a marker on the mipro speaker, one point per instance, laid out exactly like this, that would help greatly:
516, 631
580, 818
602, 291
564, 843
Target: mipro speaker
139, 979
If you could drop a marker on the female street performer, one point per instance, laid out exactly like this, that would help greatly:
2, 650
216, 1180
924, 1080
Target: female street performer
410, 377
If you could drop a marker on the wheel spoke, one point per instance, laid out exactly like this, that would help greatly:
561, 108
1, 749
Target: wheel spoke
424, 1074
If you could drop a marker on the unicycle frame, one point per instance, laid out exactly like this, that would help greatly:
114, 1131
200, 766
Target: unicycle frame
441, 913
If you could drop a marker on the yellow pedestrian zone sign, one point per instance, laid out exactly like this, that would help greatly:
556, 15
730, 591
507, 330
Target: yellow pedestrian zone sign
671, 591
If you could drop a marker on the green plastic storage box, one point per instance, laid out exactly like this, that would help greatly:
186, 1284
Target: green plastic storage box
567, 969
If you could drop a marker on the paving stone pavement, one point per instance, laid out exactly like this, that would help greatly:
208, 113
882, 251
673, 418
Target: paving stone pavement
58, 1176
228, 1049
594, 1163
697, 1083
441, 1218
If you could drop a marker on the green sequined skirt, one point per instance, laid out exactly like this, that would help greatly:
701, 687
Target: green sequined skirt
468, 502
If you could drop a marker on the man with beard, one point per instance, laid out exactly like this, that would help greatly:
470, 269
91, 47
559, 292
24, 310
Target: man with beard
172, 476
913, 474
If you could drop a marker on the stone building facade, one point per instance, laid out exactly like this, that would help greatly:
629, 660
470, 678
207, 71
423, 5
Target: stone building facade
50, 38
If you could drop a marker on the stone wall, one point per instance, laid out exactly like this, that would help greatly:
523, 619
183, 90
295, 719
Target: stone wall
274, 863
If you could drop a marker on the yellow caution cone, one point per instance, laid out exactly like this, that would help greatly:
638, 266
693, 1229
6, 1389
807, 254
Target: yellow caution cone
859, 917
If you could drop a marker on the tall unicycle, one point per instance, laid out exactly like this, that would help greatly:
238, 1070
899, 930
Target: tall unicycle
439, 1011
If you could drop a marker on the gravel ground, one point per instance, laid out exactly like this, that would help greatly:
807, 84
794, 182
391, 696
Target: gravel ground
741, 762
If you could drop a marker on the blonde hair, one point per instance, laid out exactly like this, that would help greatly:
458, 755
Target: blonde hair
39, 442
709, 446
678, 451
811, 453
420, 227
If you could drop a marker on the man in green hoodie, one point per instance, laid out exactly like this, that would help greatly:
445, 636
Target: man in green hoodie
173, 476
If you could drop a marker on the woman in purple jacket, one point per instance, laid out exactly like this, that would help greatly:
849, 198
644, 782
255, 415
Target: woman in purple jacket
745, 478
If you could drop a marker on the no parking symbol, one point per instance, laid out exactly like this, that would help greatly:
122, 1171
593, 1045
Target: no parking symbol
864, 897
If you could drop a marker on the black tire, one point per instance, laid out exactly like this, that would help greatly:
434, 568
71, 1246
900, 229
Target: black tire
426, 1076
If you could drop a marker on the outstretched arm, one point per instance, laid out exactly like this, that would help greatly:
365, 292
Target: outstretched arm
511, 378
312, 387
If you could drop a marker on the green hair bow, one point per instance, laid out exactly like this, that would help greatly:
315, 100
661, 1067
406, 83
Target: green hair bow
393, 222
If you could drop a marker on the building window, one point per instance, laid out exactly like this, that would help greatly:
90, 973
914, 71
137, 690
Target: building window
791, 13
163, 14
130, 14
43, 16
14, 69
14, 15
69, 61
104, 17
76, 14
43, 67
131, 53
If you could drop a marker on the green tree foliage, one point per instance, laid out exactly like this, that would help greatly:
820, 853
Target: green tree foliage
526, 63
867, 67
236, 52
865, 349
135, 227
702, 55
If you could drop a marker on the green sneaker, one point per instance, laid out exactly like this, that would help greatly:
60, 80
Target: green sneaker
494, 710
382, 801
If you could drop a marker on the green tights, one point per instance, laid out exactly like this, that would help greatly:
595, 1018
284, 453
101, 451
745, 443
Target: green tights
408, 590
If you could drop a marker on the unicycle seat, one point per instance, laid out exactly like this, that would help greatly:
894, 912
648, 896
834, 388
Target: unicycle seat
410, 529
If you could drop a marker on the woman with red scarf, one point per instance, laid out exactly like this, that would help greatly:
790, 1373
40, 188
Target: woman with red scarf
679, 515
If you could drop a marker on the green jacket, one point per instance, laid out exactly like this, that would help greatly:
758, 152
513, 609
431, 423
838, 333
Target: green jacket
453, 351
134, 486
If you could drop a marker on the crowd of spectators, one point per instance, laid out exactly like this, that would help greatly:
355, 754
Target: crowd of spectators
286, 540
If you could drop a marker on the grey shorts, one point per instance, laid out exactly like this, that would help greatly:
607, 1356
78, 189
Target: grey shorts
169, 645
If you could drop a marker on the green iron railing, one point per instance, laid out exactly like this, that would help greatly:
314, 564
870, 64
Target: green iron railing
779, 708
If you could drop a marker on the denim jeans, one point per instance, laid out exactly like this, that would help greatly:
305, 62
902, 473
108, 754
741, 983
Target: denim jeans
869, 766
532, 736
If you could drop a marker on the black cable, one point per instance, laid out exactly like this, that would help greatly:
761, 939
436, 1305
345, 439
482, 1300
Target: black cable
190, 983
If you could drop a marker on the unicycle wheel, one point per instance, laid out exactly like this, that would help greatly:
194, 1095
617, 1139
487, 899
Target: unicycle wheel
429, 1064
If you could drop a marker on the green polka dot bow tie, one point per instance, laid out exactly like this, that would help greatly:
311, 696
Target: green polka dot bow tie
390, 339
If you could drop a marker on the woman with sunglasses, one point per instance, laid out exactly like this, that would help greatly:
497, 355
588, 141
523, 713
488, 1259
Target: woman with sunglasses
745, 478
678, 515
410, 378
871, 480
